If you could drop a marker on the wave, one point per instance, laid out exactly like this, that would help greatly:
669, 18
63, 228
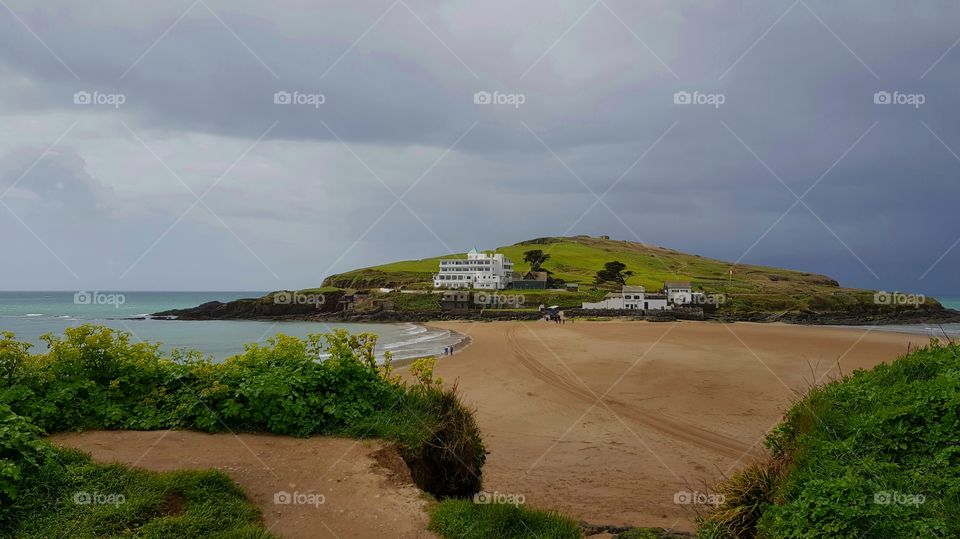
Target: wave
414, 329
937, 331
32, 315
423, 338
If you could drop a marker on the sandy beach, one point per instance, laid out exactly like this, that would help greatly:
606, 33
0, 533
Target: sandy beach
609, 421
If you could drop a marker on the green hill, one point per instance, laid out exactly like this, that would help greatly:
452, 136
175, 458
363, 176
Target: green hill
576, 260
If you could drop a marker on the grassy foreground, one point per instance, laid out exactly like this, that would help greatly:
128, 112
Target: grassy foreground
68, 495
96, 378
875, 455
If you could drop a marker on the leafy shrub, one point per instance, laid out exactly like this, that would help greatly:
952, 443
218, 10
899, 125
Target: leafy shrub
95, 377
13, 355
21, 452
876, 454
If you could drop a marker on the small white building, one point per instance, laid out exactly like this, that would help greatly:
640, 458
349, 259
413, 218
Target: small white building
630, 298
478, 270
678, 292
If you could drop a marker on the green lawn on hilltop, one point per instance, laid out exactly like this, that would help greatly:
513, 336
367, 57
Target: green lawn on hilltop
577, 262
577, 259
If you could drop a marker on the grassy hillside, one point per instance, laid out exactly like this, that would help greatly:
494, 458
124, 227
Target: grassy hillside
577, 259
875, 455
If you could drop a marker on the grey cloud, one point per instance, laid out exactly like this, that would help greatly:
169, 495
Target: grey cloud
57, 182
598, 99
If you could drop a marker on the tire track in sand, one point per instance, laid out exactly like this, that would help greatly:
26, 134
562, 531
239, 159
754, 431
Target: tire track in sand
675, 428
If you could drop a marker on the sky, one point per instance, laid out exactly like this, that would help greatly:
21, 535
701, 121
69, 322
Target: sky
236, 145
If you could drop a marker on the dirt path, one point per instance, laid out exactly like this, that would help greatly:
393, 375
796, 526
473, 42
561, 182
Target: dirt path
365, 493
682, 405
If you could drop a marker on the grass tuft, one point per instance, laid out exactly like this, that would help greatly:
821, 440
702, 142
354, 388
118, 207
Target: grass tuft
464, 519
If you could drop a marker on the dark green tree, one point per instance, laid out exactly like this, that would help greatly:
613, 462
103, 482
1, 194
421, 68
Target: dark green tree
613, 272
536, 258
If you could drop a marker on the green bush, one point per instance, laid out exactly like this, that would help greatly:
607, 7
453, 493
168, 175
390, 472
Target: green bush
876, 454
96, 378
21, 453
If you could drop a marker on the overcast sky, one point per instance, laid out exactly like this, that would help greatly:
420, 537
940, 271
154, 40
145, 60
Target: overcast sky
187, 170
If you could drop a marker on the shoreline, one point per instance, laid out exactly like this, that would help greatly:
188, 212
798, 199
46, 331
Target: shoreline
258, 310
463, 342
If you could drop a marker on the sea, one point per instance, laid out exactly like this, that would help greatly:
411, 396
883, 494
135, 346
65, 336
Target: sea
32, 314
950, 331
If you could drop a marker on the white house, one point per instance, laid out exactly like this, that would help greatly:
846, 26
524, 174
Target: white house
630, 298
478, 270
678, 292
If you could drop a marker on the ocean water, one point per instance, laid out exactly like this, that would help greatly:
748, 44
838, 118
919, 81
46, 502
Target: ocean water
938, 331
950, 302
32, 314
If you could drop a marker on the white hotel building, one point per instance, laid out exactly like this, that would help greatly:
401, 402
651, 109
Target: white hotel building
478, 270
